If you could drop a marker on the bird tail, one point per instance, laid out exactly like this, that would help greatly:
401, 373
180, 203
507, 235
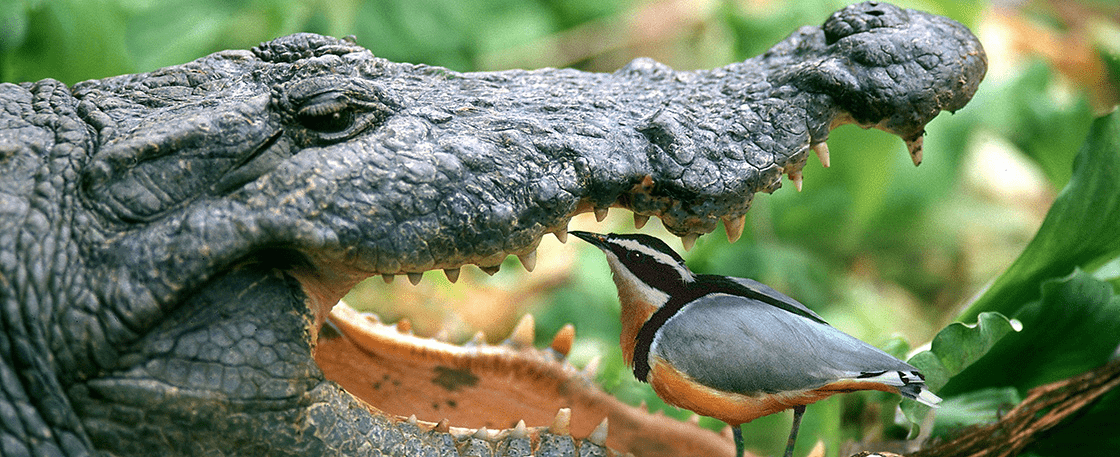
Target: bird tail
910, 384
920, 393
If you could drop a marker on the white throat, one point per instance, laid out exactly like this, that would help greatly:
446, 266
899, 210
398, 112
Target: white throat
630, 288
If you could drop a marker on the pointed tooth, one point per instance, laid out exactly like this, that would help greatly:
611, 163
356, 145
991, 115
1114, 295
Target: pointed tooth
443, 426
490, 270
412, 420
599, 435
562, 233
562, 342
695, 419
529, 261
915, 148
822, 153
562, 424
640, 220
482, 433
592, 367
797, 178
520, 431
734, 227
452, 274
523, 333
479, 339
404, 325
415, 278
388, 278
442, 336
601, 213
689, 240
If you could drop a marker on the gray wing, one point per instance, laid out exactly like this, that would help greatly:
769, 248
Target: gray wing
767, 290
747, 346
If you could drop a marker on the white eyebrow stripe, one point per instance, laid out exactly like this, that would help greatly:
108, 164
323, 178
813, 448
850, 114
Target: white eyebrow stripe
657, 255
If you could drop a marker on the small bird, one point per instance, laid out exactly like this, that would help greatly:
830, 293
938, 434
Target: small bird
733, 348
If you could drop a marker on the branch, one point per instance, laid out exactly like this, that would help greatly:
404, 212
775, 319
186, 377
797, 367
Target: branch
1044, 409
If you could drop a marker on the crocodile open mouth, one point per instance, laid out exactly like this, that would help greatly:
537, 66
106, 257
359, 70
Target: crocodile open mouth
478, 390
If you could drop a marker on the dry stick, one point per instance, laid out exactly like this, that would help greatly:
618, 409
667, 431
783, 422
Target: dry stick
1023, 424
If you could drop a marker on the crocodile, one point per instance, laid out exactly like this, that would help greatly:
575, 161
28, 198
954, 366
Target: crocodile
173, 243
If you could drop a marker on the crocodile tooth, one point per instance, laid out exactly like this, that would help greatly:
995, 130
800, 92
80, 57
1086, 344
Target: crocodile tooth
479, 339
562, 424
592, 367
523, 333
601, 213
519, 431
388, 278
529, 260
822, 153
442, 335
412, 420
734, 227
695, 419
915, 148
415, 278
443, 426
562, 342
599, 435
562, 233
689, 240
482, 434
490, 270
404, 325
640, 220
452, 274
797, 178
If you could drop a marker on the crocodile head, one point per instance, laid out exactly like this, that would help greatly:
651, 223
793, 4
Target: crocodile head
174, 240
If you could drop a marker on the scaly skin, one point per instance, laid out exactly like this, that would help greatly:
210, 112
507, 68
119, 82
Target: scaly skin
171, 242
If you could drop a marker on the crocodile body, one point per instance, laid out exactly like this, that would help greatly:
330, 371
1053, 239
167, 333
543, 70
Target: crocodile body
172, 242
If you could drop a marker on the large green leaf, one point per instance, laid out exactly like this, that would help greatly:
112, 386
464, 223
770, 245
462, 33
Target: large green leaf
955, 348
1072, 328
1082, 228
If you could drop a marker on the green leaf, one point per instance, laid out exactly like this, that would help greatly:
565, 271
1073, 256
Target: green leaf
974, 408
955, 348
1072, 328
1081, 229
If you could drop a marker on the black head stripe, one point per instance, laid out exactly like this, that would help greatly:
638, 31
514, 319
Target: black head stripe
649, 242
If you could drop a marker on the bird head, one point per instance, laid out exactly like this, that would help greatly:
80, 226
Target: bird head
643, 263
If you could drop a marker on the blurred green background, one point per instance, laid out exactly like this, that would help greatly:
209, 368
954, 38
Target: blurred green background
883, 250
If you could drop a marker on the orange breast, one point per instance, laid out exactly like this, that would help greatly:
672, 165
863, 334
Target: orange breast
679, 390
635, 313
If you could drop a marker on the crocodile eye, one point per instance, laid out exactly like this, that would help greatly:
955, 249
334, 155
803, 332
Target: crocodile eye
332, 108
327, 113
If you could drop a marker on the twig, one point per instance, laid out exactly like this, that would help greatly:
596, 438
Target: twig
1044, 409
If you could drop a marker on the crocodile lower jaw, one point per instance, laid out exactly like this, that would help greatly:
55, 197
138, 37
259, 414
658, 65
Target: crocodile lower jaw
482, 391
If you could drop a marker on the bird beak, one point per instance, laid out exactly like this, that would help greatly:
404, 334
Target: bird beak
599, 241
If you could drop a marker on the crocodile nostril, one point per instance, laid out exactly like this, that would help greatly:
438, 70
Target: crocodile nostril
876, 13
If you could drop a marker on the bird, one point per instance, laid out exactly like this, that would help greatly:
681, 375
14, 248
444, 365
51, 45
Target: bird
734, 348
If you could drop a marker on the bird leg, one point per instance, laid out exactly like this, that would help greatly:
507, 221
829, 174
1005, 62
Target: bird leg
797, 412
737, 433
